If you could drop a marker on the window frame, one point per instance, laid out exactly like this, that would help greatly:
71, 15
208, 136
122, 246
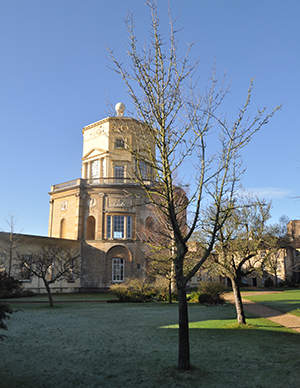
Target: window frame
118, 270
119, 177
119, 223
119, 143
26, 260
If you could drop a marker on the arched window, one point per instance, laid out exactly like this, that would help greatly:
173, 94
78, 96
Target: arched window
90, 228
62, 232
117, 257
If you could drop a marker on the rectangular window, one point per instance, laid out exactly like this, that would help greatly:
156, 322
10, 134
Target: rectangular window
108, 227
51, 269
118, 231
129, 227
118, 270
150, 172
119, 174
25, 268
95, 173
71, 275
119, 143
141, 169
119, 227
144, 170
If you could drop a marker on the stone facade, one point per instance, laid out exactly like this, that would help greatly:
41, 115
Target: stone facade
103, 211
105, 208
102, 214
21, 246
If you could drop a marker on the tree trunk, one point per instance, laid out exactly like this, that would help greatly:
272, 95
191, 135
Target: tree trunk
49, 294
170, 291
276, 280
184, 346
10, 258
238, 301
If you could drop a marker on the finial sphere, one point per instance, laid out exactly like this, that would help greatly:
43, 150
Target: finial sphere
120, 108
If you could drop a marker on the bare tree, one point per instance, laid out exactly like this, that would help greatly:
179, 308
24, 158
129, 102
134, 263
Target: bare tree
12, 239
158, 234
186, 130
282, 225
272, 263
51, 264
244, 243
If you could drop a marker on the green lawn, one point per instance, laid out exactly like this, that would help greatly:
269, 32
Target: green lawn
287, 301
67, 297
135, 345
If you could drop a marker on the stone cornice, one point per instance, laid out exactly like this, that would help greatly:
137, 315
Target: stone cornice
107, 119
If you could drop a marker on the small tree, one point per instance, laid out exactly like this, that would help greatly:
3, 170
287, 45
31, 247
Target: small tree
180, 122
51, 264
282, 226
272, 262
244, 243
12, 240
161, 265
158, 234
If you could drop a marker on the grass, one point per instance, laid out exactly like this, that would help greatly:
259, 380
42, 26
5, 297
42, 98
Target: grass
135, 345
287, 301
67, 297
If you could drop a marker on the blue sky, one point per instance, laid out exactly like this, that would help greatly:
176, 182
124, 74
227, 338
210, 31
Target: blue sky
54, 80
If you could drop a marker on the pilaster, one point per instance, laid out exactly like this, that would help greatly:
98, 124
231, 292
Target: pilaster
100, 217
79, 226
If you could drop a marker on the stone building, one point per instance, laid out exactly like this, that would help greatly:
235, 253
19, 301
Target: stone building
282, 267
105, 209
103, 213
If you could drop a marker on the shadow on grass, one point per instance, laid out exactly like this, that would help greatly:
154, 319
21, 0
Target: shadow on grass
252, 323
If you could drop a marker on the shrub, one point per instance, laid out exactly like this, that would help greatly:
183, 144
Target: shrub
9, 287
210, 293
290, 282
120, 290
193, 296
174, 296
133, 290
203, 298
269, 282
214, 289
4, 310
161, 288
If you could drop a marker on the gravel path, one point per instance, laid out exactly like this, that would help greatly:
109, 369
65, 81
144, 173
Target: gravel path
284, 319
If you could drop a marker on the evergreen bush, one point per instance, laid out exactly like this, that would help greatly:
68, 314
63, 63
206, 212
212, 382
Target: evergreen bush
4, 310
210, 293
269, 282
9, 287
